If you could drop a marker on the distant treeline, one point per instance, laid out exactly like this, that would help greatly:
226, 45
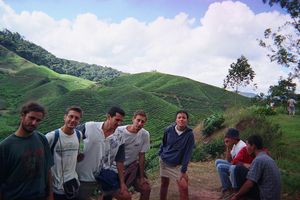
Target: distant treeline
36, 54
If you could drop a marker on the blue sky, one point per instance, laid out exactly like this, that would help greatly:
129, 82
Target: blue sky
116, 10
198, 39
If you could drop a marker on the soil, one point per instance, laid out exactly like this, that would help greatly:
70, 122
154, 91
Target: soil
203, 183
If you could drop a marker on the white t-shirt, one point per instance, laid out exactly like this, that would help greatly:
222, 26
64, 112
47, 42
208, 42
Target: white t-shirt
99, 152
66, 148
134, 143
291, 102
236, 148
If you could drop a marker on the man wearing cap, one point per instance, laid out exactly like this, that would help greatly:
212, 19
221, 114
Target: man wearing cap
233, 146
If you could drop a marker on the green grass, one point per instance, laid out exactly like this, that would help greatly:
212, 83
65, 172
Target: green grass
290, 158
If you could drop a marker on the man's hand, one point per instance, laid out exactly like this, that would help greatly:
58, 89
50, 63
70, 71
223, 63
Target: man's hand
80, 157
142, 180
184, 176
247, 165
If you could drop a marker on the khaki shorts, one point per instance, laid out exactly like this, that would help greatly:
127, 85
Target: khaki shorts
167, 171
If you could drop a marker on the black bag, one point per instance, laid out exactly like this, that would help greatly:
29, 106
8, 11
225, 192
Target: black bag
71, 188
108, 179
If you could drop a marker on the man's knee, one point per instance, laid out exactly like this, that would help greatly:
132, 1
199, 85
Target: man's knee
123, 196
145, 188
182, 184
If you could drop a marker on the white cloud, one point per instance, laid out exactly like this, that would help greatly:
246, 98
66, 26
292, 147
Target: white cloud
200, 50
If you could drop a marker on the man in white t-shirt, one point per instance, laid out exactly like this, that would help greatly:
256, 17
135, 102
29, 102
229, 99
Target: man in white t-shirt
65, 148
137, 142
291, 106
103, 146
224, 167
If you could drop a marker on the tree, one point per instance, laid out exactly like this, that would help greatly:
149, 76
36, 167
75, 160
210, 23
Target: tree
240, 74
285, 45
285, 89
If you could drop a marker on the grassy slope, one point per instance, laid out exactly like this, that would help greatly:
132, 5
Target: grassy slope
21, 80
160, 95
290, 159
198, 98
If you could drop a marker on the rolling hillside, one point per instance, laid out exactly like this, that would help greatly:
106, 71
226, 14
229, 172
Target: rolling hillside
160, 95
36, 54
21, 80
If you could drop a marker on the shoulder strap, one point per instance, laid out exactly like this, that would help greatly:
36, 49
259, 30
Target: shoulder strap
78, 135
56, 135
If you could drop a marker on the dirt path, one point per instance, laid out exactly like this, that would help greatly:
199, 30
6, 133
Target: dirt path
203, 183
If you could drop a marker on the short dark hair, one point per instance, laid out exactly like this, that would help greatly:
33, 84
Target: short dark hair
32, 106
257, 140
74, 108
182, 111
140, 112
232, 133
114, 110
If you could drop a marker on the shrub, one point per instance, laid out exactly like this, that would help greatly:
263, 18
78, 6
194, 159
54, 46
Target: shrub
269, 132
207, 151
198, 154
281, 110
262, 110
215, 148
212, 123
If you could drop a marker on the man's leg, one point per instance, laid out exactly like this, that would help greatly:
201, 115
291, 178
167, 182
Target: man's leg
240, 174
183, 189
164, 186
221, 161
223, 171
144, 189
232, 176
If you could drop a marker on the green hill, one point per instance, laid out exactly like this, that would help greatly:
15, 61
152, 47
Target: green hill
160, 95
36, 54
21, 80
198, 98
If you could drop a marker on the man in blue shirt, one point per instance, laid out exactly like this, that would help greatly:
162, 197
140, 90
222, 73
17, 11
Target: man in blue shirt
175, 154
263, 172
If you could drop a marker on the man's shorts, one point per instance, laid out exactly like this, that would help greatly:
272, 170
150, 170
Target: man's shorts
171, 172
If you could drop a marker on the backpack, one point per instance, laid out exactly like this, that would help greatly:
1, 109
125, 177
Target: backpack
56, 136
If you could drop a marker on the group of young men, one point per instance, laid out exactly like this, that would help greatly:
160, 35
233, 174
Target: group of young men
248, 170
38, 167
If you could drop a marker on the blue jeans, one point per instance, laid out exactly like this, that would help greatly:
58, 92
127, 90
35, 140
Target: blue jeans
223, 168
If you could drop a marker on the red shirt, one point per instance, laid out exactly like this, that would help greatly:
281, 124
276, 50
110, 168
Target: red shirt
242, 157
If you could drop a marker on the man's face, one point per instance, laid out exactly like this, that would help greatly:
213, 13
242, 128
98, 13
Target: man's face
138, 122
115, 121
181, 120
72, 119
250, 148
31, 120
229, 142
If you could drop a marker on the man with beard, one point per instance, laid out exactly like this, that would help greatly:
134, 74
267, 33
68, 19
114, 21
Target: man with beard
26, 159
